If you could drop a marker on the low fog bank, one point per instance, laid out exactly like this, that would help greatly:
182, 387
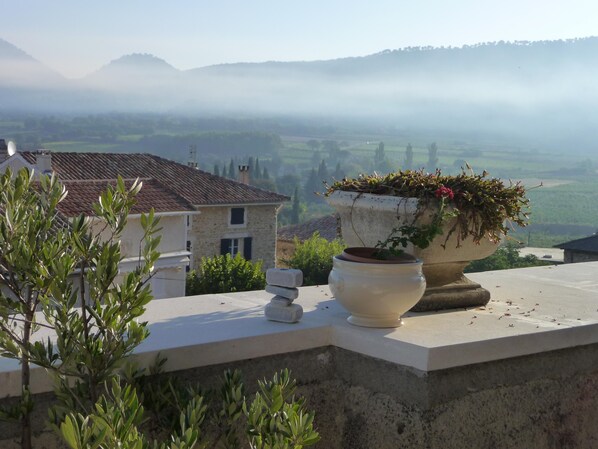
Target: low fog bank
540, 93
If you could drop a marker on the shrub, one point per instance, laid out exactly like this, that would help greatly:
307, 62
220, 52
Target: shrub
314, 258
225, 274
273, 419
505, 257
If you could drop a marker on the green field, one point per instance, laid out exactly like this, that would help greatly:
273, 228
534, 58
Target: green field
565, 207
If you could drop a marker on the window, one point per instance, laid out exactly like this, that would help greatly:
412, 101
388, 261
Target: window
233, 246
237, 216
229, 246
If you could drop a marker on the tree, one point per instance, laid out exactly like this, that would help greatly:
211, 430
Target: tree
409, 157
257, 174
323, 171
28, 247
316, 157
334, 150
296, 209
312, 185
251, 165
505, 257
216, 169
379, 156
381, 163
232, 173
432, 164
69, 272
314, 258
339, 173
287, 183
313, 144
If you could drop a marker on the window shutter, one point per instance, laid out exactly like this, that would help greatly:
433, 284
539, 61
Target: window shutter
224, 246
247, 248
237, 216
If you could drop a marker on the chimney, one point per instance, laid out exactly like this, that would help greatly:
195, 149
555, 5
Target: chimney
43, 162
244, 174
3, 150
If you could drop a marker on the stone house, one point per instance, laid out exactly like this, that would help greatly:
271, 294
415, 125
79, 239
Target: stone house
580, 250
201, 214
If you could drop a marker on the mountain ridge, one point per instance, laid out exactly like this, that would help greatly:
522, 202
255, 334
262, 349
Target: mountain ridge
537, 88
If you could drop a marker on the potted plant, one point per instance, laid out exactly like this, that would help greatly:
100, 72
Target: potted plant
445, 220
377, 285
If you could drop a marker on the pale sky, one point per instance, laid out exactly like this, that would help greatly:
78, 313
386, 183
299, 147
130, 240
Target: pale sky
76, 37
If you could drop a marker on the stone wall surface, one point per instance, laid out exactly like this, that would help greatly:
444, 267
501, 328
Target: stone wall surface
542, 401
577, 257
212, 225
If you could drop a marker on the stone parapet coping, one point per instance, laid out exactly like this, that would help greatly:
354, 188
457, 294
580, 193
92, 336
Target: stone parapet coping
532, 311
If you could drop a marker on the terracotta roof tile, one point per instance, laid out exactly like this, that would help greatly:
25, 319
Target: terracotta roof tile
83, 193
327, 226
198, 187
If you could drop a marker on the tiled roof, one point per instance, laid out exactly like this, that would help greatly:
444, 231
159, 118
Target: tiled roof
586, 244
198, 187
59, 222
327, 226
82, 194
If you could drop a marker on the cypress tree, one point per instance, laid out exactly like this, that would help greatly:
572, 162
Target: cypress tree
296, 207
231, 169
409, 157
257, 171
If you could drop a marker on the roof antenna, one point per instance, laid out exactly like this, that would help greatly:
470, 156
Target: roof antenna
192, 157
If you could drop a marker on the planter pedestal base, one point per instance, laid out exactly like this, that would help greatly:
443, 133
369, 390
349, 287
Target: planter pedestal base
365, 321
462, 293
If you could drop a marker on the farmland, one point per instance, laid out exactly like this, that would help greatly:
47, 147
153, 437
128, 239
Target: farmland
563, 186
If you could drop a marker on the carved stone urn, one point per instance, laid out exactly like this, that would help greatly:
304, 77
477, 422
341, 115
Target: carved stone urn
367, 219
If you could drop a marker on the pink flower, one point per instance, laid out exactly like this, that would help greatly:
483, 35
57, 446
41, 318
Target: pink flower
444, 192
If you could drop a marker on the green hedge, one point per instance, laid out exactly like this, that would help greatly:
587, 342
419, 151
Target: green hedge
225, 274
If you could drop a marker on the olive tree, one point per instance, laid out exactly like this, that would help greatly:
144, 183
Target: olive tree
65, 277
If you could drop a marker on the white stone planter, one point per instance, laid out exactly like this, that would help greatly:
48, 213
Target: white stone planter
376, 294
367, 219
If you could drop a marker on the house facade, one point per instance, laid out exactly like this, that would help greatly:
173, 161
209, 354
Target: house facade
201, 215
580, 250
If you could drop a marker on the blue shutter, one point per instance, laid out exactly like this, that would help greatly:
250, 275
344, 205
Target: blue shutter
247, 248
225, 246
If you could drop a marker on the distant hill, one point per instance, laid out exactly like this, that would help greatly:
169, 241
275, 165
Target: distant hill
535, 90
135, 70
21, 70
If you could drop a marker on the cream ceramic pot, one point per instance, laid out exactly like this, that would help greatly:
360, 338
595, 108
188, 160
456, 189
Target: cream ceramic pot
376, 295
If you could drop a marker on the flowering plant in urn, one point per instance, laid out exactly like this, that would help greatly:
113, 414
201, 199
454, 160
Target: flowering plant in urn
445, 220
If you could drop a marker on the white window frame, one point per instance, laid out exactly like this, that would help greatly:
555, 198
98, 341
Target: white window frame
235, 246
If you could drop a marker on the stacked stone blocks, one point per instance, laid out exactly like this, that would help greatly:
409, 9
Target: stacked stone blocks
283, 284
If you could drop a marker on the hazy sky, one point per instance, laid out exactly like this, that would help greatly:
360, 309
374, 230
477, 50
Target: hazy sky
76, 37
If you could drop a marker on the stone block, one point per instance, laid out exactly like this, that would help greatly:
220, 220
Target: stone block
282, 313
284, 277
281, 300
285, 292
